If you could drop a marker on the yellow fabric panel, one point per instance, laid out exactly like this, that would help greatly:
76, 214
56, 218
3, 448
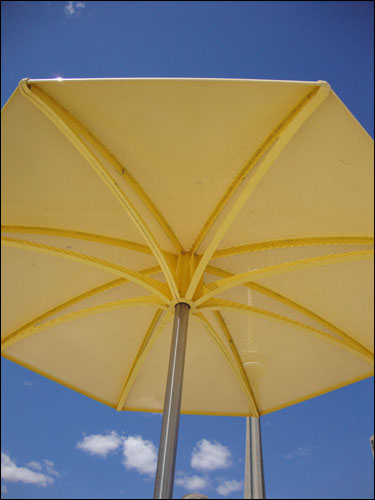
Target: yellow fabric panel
94, 354
285, 364
49, 177
341, 293
209, 382
249, 297
139, 205
33, 283
160, 129
322, 184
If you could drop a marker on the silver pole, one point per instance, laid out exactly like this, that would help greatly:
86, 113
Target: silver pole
172, 404
256, 460
247, 486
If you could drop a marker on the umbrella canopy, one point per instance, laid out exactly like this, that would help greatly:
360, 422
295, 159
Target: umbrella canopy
249, 200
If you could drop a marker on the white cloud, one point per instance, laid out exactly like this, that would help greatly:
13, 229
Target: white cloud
228, 487
192, 482
26, 382
72, 8
34, 465
209, 455
302, 451
100, 444
50, 467
11, 472
140, 455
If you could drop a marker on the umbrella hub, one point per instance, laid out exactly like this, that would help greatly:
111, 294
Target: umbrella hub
186, 265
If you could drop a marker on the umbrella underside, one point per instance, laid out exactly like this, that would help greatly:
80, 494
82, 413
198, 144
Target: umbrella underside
252, 201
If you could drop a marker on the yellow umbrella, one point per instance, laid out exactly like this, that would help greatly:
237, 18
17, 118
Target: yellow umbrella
245, 205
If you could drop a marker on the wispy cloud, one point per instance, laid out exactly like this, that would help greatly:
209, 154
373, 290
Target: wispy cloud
34, 465
47, 465
73, 8
227, 487
12, 473
28, 383
192, 482
50, 468
152, 415
209, 455
302, 451
100, 444
140, 454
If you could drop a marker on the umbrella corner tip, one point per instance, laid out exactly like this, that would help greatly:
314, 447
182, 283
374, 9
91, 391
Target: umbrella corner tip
24, 84
323, 83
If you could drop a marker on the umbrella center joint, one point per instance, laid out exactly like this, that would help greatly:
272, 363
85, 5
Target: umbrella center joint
190, 303
186, 264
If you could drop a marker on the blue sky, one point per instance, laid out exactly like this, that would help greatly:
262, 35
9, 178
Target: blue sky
60, 444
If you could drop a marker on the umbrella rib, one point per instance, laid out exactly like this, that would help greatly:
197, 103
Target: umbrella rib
158, 322
293, 242
235, 364
79, 235
236, 355
109, 306
221, 286
20, 333
348, 344
80, 129
156, 287
260, 163
73, 131
294, 305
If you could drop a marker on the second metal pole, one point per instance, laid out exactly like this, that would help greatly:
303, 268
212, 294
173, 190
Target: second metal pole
257, 477
172, 404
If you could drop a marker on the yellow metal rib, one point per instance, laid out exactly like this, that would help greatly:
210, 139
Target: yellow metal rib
109, 306
237, 357
221, 286
78, 235
82, 131
236, 365
352, 346
156, 326
294, 305
73, 131
293, 242
19, 334
157, 288
258, 165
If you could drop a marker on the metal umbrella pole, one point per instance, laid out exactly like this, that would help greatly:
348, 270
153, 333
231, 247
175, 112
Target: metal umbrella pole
254, 477
172, 404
